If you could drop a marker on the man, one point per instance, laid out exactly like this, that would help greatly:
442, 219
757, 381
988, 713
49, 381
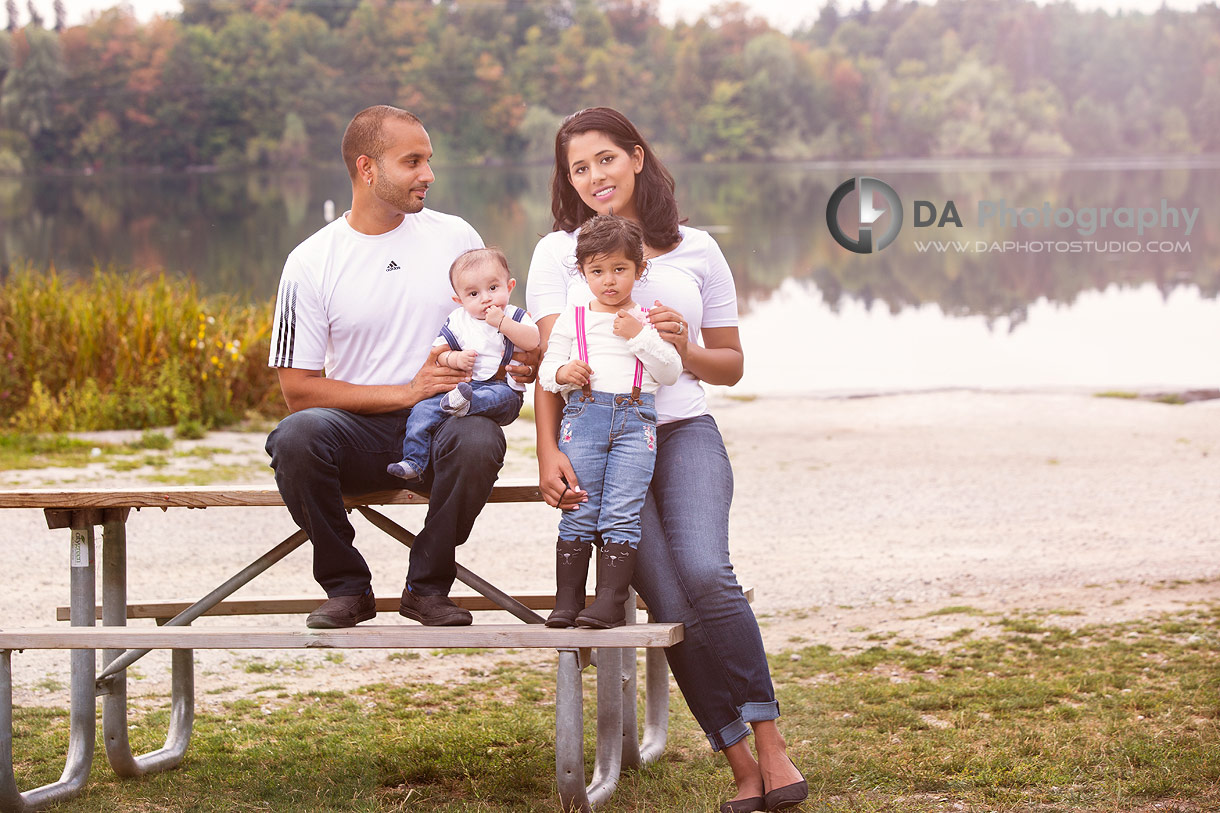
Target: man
362, 299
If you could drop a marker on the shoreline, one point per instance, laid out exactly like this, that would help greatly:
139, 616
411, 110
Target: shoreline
854, 520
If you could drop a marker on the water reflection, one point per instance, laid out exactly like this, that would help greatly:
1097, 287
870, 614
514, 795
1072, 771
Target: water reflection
232, 231
854, 348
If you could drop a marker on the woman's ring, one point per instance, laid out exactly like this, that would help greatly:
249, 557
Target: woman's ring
681, 328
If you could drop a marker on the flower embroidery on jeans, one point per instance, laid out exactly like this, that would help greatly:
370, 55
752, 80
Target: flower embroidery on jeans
565, 434
650, 437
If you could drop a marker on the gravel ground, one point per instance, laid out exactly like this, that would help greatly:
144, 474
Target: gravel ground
853, 519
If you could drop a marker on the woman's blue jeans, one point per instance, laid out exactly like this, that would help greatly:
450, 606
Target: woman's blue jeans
611, 442
684, 574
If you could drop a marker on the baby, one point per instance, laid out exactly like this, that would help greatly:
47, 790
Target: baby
480, 335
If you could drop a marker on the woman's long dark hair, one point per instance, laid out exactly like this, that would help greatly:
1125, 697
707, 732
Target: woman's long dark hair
654, 186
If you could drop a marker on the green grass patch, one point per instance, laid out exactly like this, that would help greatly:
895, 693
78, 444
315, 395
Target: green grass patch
957, 609
26, 451
151, 439
204, 452
403, 656
211, 474
1115, 718
21, 450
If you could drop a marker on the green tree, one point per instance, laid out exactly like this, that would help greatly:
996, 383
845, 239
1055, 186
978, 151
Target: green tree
32, 86
293, 148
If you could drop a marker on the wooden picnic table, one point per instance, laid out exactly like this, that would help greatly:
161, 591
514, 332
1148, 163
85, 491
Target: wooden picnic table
80, 511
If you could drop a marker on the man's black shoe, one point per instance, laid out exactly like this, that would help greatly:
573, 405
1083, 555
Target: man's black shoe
433, 611
343, 611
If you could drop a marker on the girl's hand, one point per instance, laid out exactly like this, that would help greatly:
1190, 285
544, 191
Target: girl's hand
626, 325
670, 324
557, 480
576, 373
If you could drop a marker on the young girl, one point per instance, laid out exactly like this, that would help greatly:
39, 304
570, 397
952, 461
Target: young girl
607, 362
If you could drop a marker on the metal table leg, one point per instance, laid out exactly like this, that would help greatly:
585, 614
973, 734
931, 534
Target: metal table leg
636, 752
231, 586
574, 795
656, 706
83, 709
114, 702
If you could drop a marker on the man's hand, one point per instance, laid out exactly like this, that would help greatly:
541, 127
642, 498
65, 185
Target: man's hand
433, 378
524, 366
576, 373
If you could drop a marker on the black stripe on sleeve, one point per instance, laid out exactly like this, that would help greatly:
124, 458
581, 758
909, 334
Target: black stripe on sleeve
292, 336
281, 325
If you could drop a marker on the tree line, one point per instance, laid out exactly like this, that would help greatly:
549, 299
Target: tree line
274, 82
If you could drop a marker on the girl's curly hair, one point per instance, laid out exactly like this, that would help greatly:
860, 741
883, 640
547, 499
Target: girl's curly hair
609, 234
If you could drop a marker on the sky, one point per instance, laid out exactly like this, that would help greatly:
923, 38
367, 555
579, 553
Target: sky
783, 14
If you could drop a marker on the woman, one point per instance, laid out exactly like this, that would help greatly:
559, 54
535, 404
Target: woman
603, 165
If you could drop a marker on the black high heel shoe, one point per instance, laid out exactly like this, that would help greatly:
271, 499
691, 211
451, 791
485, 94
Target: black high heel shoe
750, 804
787, 796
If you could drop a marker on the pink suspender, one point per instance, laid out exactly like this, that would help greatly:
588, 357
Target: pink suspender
582, 349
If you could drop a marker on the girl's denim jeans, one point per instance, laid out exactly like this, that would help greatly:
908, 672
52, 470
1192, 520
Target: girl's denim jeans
611, 442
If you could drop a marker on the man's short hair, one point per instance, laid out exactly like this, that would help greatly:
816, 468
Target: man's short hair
366, 133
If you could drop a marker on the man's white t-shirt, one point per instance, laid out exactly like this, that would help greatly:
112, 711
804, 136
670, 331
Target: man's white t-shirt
477, 335
365, 308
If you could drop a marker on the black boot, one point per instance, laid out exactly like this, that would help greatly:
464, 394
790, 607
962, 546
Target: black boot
615, 568
571, 570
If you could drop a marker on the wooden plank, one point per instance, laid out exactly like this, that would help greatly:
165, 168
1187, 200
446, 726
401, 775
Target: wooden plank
289, 605
495, 636
224, 496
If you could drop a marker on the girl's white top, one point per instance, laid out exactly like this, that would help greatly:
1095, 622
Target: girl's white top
611, 357
694, 279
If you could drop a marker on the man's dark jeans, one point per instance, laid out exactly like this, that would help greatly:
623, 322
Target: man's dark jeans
321, 454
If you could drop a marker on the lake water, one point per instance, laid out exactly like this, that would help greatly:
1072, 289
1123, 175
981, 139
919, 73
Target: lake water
1031, 304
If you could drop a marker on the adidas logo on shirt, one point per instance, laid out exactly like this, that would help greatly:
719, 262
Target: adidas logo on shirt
393, 266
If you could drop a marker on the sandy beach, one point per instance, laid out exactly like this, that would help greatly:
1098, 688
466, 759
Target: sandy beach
854, 519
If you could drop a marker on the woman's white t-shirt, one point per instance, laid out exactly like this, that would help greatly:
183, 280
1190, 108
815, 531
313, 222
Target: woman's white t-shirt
694, 279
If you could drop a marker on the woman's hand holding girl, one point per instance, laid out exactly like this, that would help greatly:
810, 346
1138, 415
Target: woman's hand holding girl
670, 324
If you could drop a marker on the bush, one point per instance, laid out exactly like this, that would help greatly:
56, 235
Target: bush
129, 351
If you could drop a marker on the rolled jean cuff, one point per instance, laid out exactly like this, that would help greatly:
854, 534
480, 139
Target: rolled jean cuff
737, 730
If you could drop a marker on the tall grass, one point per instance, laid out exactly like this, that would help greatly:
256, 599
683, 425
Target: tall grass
128, 350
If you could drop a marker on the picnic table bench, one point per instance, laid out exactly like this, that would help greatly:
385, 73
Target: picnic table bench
611, 651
